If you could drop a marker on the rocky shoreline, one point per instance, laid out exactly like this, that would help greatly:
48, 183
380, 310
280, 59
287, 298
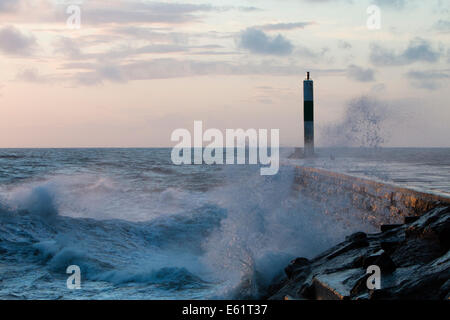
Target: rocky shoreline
413, 257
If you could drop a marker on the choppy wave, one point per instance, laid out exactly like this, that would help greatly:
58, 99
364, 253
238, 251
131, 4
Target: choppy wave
133, 240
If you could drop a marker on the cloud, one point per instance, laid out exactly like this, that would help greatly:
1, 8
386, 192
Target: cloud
430, 79
249, 9
150, 34
32, 75
360, 74
8, 5
14, 42
284, 26
77, 49
418, 50
394, 4
68, 48
133, 11
344, 45
442, 26
97, 73
256, 41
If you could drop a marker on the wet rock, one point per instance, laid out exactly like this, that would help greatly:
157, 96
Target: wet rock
388, 227
444, 237
351, 246
411, 219
390, 245
358, 262
382, 260
414, 260
417, 251
336, 286
358, 236
295, 266
360, 286
307, 291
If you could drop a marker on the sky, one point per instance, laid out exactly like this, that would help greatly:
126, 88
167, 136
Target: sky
136, 70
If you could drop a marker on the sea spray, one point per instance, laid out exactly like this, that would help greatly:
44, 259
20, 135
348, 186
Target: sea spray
364, 124
145, 229
267, 224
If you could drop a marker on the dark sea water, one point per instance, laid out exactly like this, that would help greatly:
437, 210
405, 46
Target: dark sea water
142, 228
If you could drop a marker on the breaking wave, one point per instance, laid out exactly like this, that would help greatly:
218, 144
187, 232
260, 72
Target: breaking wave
133, 241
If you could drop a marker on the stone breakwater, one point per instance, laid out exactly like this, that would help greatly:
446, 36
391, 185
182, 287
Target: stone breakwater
412, 250
376, 202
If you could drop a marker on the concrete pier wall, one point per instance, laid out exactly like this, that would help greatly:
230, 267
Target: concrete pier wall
380, 203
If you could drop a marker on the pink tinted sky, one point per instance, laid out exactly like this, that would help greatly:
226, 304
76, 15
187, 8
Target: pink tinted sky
137, 70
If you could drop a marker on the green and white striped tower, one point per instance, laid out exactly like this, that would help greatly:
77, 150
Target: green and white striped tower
308, 115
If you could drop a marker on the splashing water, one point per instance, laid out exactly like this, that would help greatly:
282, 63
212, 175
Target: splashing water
363, 125
141, 228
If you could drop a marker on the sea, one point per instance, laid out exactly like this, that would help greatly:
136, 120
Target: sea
139, 227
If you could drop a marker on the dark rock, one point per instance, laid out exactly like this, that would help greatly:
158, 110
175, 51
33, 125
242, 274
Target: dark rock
417, 251
275, 287
357, 236
388, 227
390, 245
445, 290
358, 262
444, 237
360, 286
411, 219
295, 266
351, 246
336, 286
414, 261
425, 285
307, 291
382, 260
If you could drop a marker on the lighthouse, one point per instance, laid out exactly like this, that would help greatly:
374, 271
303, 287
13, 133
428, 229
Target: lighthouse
308, 115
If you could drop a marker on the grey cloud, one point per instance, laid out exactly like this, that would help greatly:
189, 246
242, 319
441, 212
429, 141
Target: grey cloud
306, 52
442, 26
110, 72
360, 74
69, 48
430, 80
418, 50
8, 5
284, 26
378, 88
249, 9
344, 44
72, 49
29, 75
153, 34
121, 12
256, 41
14, 42
172, 68
161, 48
395, 4
34, 76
